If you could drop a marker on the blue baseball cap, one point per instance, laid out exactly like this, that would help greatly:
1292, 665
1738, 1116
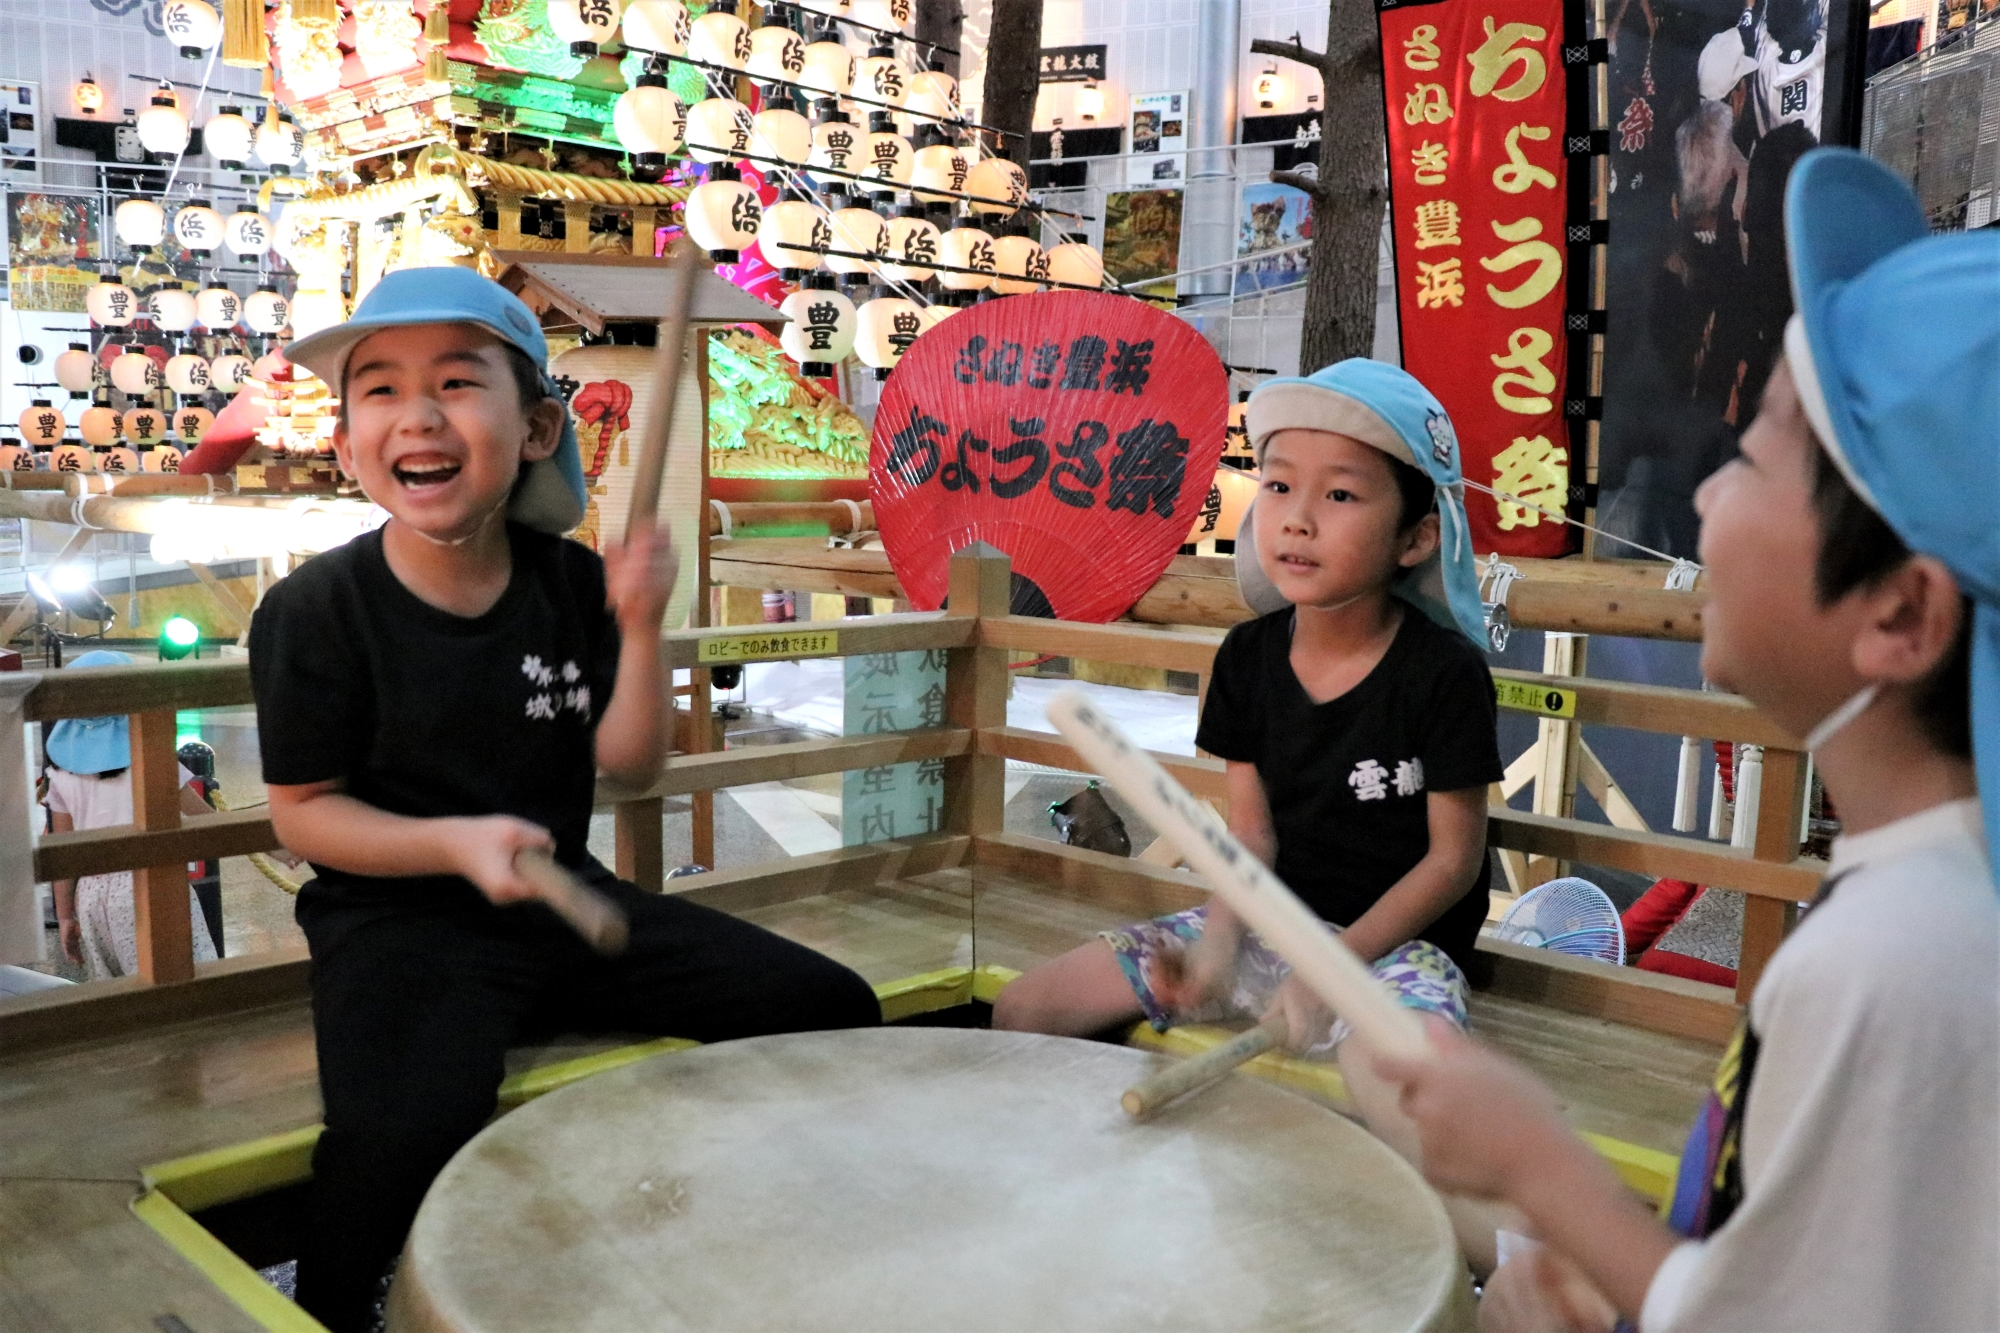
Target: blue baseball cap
92, 744
1386, 407
1895, 347
550, 497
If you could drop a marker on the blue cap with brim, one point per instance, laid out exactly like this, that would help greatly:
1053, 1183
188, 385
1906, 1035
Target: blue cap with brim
550, 497
1386, 407
92, 744
1896, 352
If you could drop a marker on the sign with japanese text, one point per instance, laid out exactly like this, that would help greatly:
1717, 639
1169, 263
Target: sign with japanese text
892, 692
1072, 64
1476, 111
767, 647
1526, 696
1076, 431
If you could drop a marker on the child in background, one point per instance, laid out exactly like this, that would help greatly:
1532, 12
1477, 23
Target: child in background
90, 787
435, 697
1845, 1174
1358, 722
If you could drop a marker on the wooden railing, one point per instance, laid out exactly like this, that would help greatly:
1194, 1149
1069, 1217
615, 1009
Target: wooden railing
975, 743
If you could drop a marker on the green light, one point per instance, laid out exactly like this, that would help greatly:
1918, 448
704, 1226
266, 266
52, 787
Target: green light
179, 637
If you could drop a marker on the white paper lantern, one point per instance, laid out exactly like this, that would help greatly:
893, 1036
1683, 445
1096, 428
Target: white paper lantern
162, 127
1020, 265
822, 330
894, 14
887, 157
785, 135
247, 234
856, 231
650, 122
229, 372
836, 152
718, 129
77, 457
16, 458
98, 426
42, 424
938, 172
111, 303
777, 55
162, 457
216, 308
829, 69
1001, 186
792, 234
198, 227
266, 311
1076, 263
966, 247
193, 25
188, 373
191, 422
279, 144
721, 215
314, 309
76, 369
584, 24
134, 373
140, 425
719, 38
883, 77
884, 328
140, 223
659, 26
911, 245
171, 308
932, 95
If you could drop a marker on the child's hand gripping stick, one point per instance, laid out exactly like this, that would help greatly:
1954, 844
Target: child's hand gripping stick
1257, 895
589, 913
1198, 1071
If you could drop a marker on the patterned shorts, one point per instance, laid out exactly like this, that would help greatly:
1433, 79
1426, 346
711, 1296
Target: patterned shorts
1421, 974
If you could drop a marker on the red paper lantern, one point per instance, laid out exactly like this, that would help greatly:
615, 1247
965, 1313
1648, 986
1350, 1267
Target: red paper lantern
1077, 432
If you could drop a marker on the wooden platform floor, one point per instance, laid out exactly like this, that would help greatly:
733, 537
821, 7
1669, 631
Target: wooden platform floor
81, 1122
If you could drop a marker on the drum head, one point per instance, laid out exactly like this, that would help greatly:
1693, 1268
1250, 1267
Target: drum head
922, 1178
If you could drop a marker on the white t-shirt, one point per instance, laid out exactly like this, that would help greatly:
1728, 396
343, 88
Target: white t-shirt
92, 801
1871, 1137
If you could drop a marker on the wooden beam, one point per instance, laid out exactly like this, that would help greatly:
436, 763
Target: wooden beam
1604, 789
816, 873
1647, 1000
912, 631
1655, 855
1203, 777
1662, 709
640, 849
735, 573
92, 1010
162, 919
103, 851
976, 684
105, 691
1780, 813
1126, 644
688, 773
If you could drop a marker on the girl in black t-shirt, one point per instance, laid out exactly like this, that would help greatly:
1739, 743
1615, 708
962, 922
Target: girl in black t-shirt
1357, 719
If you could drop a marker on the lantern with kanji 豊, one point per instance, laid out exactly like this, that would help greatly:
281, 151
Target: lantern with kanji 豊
42, 424
822, 328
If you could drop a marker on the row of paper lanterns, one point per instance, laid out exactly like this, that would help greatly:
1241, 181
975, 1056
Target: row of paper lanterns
111, 304
142, 224
115, 459
230, 137
132, 371
43, 426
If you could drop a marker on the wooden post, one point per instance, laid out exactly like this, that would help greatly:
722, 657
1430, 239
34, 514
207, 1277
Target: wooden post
642, 854
701, 805
645, 226
576, 226
975, 694
161, 918
1555, 784
1780, 809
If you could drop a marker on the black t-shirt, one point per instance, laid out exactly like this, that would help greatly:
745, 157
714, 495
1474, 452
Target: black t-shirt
1347, 779
427, 713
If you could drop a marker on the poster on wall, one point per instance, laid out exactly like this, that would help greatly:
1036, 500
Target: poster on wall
53, 243
20, 133
886, 692
1476, 111
1142, 238
1274, 223
1712, 104
1159, 140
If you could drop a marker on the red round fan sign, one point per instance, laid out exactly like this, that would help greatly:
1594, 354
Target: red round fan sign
1076, 431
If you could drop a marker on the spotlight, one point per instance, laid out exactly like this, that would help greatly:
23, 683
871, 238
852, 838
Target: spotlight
179, 638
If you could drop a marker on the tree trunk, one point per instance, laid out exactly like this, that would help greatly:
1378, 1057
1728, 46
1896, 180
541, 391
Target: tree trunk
1351, 188
1013, 74
939, 23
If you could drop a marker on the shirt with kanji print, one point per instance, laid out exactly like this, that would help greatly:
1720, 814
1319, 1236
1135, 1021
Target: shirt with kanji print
1347, 779
424, 713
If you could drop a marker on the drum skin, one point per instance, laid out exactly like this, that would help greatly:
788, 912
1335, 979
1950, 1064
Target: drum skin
922, 1179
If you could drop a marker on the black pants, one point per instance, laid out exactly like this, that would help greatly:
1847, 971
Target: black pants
413, 1013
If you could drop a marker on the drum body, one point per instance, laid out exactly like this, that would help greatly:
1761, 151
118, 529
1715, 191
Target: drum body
923, 1178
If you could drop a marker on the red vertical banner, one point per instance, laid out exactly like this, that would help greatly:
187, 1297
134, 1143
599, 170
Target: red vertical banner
1478, 195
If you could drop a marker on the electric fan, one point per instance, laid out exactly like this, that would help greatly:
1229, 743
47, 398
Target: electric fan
1571, 916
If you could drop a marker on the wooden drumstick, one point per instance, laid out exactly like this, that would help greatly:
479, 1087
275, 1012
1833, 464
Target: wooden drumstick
652, 465
1259, 897
1198, 1071
589, 913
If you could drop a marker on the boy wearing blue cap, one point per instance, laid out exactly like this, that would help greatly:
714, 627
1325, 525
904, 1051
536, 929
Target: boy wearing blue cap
435, 697
1357, 718
1845, 1173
